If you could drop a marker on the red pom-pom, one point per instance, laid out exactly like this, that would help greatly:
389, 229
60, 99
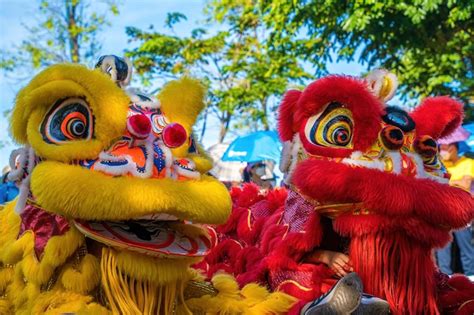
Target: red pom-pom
174, 135
139, 126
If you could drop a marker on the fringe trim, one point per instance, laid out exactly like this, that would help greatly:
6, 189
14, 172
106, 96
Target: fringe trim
397, 269
127, 295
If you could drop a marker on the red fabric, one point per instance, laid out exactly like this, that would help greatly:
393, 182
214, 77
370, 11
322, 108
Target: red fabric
438, 116
266, 240
44, 225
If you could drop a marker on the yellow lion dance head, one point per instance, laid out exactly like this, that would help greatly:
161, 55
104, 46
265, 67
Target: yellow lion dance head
114, 201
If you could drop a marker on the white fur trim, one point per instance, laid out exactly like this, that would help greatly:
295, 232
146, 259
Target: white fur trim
134, 98
25, 183
375, 79
285, 158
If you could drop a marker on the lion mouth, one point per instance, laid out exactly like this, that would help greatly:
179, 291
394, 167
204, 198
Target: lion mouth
156, 235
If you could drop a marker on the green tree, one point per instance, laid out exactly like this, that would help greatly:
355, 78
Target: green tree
67, 31
241, 66
428, 43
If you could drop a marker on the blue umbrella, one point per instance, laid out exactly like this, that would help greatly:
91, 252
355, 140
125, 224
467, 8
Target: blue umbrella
470, 140
257, 146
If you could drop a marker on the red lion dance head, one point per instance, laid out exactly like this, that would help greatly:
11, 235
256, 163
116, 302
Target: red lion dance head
375, 170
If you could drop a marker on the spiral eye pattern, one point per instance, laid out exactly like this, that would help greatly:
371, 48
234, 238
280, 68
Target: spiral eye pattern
333, 128
68, 120
74, 126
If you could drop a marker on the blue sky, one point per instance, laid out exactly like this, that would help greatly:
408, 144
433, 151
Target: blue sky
139, 13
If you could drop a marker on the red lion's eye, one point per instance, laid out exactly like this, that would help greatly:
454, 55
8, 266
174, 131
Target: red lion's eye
332, 128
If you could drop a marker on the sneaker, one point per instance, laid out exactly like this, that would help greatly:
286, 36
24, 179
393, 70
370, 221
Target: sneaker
343, 298
371, 305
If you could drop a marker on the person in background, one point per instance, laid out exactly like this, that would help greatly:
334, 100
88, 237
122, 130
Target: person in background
8, 189
461, 169
260, 173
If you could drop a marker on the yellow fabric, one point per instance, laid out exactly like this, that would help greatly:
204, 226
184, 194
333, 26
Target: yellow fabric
463, 167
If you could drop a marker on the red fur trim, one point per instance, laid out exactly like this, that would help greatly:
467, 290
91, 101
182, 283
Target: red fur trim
385, 193
359, 225
438, 116
456, 295
246, 196
397, 269
366, 109
286, 125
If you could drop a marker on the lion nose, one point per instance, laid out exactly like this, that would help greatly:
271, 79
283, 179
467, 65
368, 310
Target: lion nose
174, 135
139, 126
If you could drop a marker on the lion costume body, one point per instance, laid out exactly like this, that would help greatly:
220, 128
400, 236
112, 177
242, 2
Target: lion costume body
113, 199
364, 178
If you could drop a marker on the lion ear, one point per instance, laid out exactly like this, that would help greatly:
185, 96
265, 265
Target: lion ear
182, 100
382, 83
286, 124
438, 116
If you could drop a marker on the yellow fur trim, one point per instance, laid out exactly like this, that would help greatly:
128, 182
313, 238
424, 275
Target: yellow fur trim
83, 277
252, 299
80, 193
20, 252
93, 309
57, 302
9, 228
181, 102
203, 165
109, 105
6, 307
204, 162
6, 277
158, 270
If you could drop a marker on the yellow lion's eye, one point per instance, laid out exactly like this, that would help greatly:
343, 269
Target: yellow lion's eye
332, 128
68, 120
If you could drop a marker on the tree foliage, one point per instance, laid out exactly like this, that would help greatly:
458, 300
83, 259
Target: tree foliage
65, 31
241, 66
428, 43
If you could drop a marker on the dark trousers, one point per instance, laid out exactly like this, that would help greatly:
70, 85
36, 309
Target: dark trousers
463, 239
